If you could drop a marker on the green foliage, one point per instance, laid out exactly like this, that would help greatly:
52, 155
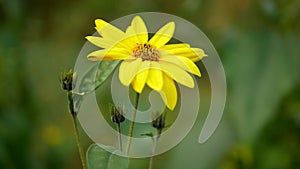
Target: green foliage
278, 144
91, 81
256, 40
260, 70
100, 157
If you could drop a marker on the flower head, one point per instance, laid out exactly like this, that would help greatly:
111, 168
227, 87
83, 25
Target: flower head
147, 61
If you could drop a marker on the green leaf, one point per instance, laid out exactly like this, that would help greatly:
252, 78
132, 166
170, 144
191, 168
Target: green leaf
97, 75
118, 162
100, 157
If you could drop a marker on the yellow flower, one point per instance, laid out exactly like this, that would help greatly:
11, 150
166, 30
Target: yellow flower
152, 62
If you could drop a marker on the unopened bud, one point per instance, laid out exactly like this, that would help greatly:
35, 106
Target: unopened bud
159, 122
68, 80
117, 114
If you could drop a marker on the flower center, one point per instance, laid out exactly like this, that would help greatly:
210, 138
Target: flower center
146, 52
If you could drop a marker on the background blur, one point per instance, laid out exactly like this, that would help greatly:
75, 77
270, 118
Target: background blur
258, 43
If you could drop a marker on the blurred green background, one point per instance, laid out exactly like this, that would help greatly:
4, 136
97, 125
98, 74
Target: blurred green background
258, 43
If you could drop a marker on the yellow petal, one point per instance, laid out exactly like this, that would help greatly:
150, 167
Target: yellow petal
155, 77
183, 62
139, 28
109, 54
169, 92
131, 35
140, 79
176, 73
107, 30
163, 35
101, 42
195, 54
136, 33
130, 68
199, 54
100, 24
127, 43
175, 46
115, 35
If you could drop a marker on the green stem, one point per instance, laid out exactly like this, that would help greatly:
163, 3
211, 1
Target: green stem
154, 148
76, 132
81, 153
132, 123
120, 136
71, 103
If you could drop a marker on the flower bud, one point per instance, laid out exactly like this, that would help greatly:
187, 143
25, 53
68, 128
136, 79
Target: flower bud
117, 114
68, 80
159, 122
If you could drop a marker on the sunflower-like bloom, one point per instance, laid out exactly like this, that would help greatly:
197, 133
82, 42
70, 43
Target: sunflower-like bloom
152, 62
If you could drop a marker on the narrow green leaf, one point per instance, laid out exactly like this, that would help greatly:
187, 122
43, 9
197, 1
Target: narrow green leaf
105, 68
100, 157
97, 75
147, 134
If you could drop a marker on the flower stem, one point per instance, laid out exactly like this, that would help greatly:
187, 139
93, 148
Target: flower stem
81, 153
120, 137
76, 132
132, 122
154, 148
